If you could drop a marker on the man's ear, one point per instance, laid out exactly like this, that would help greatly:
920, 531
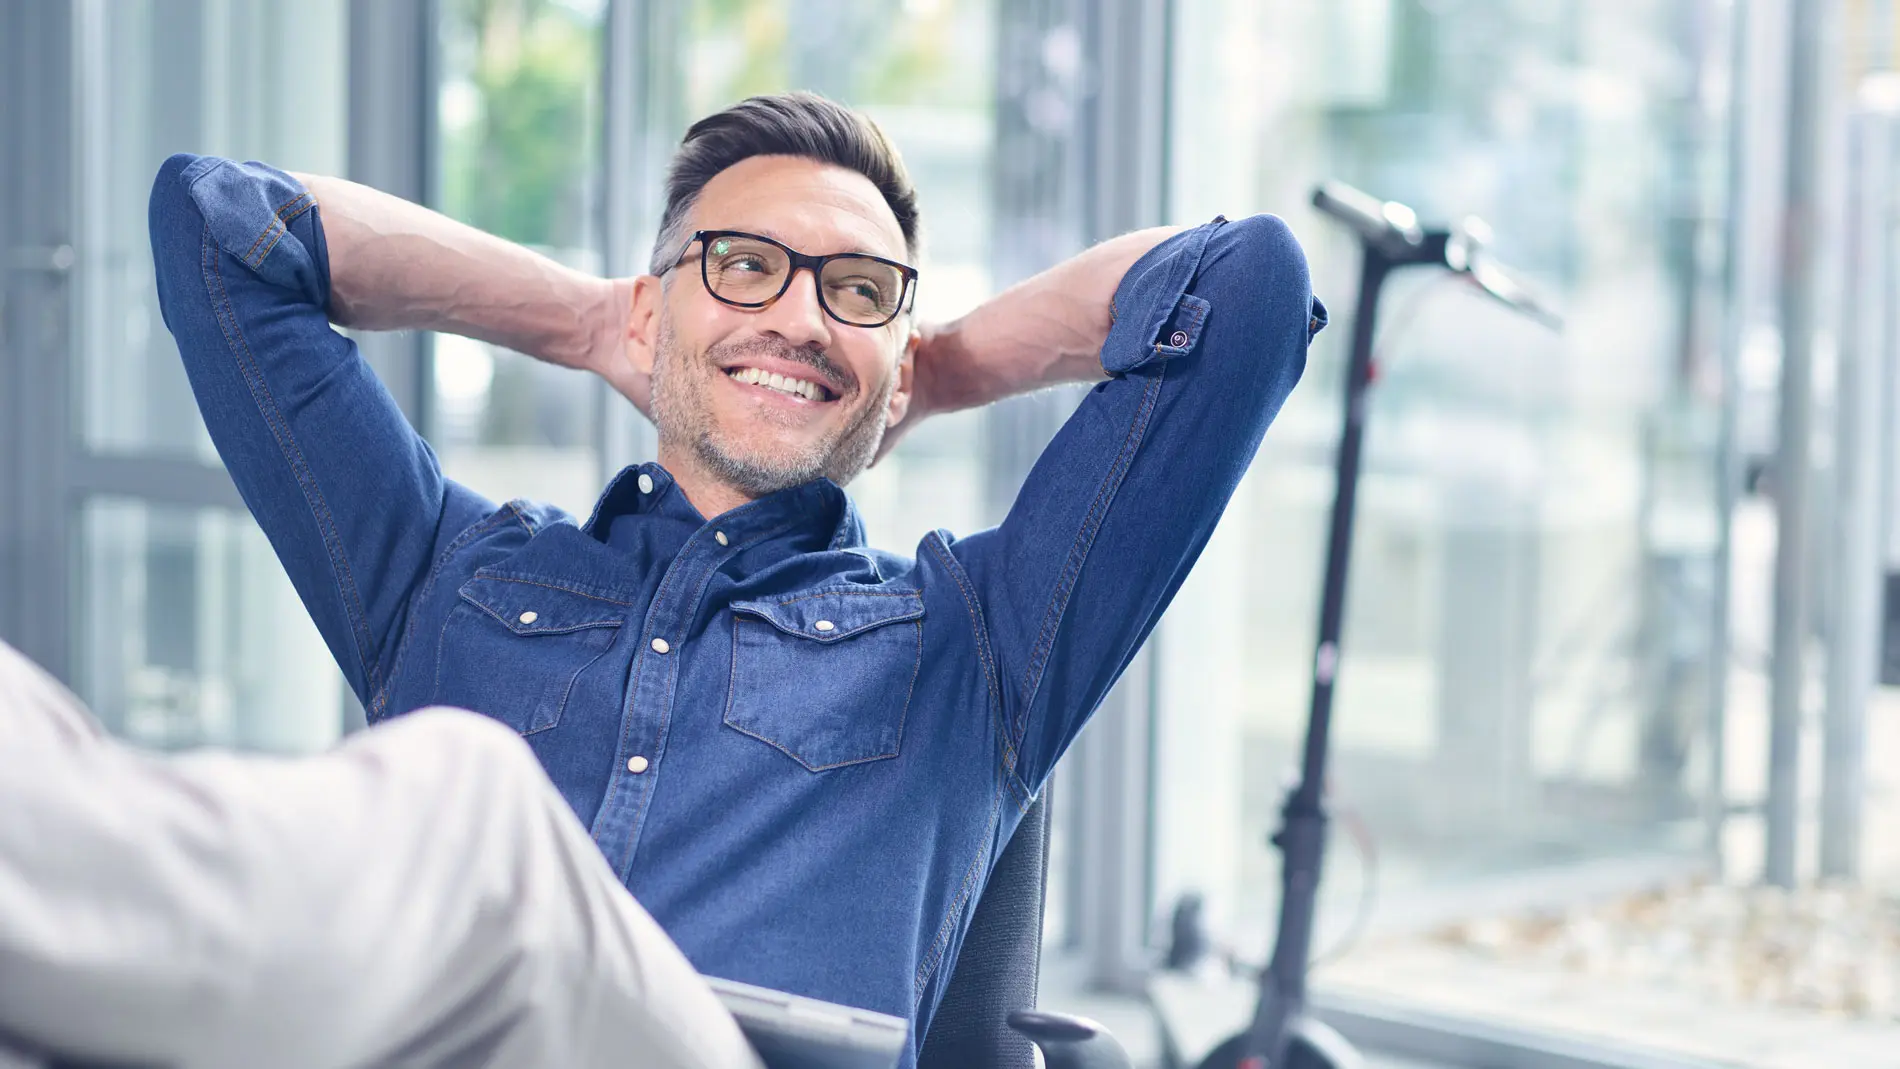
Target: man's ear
643, 322
906, 380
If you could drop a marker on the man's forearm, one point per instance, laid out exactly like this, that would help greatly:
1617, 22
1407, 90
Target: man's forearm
398, 266
1046, 330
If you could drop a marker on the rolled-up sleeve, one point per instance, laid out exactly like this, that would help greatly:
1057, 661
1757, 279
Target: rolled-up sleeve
1210, 336
350, 496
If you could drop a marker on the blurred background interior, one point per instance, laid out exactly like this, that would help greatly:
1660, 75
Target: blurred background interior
1567, 655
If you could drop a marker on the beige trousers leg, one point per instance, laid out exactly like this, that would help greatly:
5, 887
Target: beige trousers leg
418, 896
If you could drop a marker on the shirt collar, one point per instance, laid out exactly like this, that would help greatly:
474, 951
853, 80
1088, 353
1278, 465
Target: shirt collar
819, 508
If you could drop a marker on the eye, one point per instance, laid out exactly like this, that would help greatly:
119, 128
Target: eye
859, 286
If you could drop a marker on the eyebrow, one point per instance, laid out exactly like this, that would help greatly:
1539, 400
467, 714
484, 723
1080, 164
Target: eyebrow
779, 236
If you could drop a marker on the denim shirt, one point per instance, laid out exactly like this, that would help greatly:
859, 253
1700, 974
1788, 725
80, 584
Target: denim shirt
802, 755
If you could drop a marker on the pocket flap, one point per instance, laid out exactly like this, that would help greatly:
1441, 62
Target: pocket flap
528, 607
831, 615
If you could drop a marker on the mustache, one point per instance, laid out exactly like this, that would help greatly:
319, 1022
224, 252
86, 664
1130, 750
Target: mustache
835, 375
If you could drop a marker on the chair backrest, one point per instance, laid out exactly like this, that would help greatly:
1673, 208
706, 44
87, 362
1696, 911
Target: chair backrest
1002, 954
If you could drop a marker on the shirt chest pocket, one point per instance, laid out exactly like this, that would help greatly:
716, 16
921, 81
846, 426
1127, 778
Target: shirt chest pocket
517, 650
826, 678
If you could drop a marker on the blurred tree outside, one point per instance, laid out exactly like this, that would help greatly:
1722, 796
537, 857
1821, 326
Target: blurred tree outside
520, 125
519, 143
868, 53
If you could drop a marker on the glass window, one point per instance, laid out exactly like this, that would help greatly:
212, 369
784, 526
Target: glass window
187, 631
923, 71
519, 156
1527, 656
222, 77
194, 636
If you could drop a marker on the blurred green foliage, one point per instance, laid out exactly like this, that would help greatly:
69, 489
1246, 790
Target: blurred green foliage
520, 113
520, 162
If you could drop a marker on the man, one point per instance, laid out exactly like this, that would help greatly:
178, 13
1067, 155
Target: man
801, 755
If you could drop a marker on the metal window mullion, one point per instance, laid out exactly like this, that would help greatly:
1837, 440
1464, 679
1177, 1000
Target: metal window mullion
1862, 468
642, 116
394, 80
1124, 145
393, 83
37, 84
1810, 47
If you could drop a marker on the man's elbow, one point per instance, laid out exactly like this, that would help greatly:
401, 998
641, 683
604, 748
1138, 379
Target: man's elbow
245, 210
171, 207
1255, 268
1261, 253
175, 226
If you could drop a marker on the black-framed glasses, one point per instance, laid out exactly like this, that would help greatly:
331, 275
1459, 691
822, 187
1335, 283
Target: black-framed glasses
751, 271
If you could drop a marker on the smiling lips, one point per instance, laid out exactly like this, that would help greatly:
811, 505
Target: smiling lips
792, 387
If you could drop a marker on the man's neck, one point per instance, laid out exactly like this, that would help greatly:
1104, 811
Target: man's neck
707, 494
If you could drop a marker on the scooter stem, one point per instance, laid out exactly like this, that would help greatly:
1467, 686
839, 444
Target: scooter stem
1302, 836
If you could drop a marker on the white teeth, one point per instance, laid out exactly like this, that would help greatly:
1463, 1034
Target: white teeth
796, 387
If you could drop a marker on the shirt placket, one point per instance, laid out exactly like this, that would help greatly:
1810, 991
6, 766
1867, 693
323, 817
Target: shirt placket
654, 677
640, 757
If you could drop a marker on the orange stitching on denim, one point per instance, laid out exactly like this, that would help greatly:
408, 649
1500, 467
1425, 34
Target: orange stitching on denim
279, 210
268, 230
283, 228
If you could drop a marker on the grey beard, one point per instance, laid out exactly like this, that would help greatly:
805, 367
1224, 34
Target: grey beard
682, 416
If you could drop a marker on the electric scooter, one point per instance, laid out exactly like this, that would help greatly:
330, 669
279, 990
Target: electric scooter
1284, 1034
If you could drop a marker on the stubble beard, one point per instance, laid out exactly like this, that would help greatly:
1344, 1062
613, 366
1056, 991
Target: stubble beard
682, 413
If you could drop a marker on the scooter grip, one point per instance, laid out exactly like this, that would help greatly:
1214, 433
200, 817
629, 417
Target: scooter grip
1363, 212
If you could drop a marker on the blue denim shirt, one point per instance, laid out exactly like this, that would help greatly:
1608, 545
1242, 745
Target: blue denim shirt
801, 754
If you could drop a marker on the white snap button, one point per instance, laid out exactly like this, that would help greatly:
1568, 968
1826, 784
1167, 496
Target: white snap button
646, 483
719, 537
824, 625
530, 617
660, 646
636, 764
1178, 339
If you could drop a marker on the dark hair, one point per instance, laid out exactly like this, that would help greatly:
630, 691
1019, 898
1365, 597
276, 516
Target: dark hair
784, 124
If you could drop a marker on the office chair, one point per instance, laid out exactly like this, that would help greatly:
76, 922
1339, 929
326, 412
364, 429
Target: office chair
988, 1018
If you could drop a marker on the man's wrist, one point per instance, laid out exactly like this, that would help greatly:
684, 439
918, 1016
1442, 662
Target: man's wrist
600, 330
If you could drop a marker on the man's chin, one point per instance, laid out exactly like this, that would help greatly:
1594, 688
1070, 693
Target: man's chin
760, 468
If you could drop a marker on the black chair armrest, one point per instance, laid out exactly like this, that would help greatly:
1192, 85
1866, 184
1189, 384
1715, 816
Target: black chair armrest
1070, 1042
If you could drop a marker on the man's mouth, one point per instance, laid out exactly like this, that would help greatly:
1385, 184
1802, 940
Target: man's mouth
785, 384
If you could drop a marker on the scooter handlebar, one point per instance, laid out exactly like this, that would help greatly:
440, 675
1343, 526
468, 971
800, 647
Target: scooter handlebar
1383, 222
1394, 229
1504, 285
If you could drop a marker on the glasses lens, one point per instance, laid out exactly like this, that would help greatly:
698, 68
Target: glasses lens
745, 270
863, 291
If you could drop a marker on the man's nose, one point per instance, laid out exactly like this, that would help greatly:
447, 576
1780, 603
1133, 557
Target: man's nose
798, 316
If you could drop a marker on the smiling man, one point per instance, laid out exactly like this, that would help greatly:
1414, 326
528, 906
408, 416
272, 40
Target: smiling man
800, 754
